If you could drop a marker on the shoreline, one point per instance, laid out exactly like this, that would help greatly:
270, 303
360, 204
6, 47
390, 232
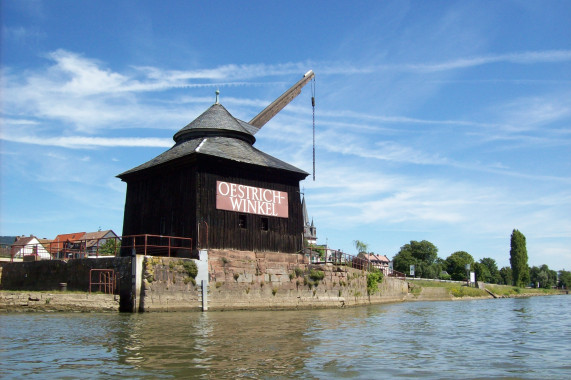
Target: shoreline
20, 301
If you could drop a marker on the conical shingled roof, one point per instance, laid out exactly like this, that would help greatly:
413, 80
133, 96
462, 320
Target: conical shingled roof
217, 133
215, 121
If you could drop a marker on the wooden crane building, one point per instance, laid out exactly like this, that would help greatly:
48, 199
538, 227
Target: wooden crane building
215, 187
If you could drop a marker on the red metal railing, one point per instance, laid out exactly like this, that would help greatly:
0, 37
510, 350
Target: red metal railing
338, 257
82, 248
105, 280
156, 245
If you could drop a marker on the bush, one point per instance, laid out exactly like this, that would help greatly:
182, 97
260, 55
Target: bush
190, 268
444, 276
316, 275
373, 279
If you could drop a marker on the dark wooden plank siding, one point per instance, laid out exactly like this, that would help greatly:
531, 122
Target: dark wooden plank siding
283, 234
162, 204
172, 200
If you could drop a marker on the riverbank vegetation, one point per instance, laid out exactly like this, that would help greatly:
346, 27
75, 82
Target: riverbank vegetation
423, 257
456, 289
459, 290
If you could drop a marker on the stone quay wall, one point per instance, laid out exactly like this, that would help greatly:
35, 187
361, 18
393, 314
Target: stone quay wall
43, 301
47, 275
236, 280
244, 280
269, 280
168, 286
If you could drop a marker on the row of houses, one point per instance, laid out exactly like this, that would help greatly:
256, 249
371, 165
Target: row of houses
64, 246
322, 254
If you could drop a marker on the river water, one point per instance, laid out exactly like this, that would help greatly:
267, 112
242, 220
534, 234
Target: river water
503, 338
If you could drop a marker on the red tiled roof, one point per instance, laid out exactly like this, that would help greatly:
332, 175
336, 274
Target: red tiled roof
376, 258
57, 243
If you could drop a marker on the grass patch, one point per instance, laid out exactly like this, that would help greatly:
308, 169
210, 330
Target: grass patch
506, 290
456, 289
465, 291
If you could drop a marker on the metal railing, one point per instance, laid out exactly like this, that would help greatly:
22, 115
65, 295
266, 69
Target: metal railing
106, 280
158, 245
338, 257
155, 245
83, 248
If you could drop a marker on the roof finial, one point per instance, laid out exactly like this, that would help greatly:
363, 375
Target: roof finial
217, 93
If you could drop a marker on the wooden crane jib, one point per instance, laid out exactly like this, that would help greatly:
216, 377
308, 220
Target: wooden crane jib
277, 105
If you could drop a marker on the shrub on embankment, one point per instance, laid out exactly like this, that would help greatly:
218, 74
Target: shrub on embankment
459, 290
514, 291
455, 289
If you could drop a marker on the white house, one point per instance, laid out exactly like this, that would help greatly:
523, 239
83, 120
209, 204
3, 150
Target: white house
28, 246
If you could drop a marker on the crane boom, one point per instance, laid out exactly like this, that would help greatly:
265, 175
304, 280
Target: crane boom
277, 105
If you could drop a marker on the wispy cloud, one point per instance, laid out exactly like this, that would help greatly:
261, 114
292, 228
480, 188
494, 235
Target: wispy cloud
83, 142
525, 58
520, 58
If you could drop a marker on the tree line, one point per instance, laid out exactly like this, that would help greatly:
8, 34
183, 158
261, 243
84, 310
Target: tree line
424, 256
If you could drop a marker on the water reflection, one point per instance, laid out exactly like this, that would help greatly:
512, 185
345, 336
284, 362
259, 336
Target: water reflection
517, 338
220, 344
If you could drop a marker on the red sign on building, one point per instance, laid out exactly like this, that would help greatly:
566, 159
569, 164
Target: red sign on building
251, 200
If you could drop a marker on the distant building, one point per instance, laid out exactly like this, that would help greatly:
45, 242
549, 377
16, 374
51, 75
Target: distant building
309, 230
95, 240
380, 262
80, 244
66, 246
28, 247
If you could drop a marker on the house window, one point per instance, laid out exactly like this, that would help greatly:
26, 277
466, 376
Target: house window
242, 222
265, 224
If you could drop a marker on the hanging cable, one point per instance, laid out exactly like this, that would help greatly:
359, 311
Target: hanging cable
313, 107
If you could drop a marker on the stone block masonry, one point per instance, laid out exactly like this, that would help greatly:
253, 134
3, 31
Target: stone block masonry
168, 285
57, 301
269, 280
45, 275
237, 280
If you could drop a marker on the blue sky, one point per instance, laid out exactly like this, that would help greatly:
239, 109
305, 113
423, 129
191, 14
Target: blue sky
446, 121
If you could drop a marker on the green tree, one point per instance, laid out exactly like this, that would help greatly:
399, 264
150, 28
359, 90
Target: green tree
564, 279
535, 277
518, 259
423, 255
403, 260
111, 247
506, 275
360, 246
552, 276
482, 272
433, 270
492, 267
456, 265
542, 277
